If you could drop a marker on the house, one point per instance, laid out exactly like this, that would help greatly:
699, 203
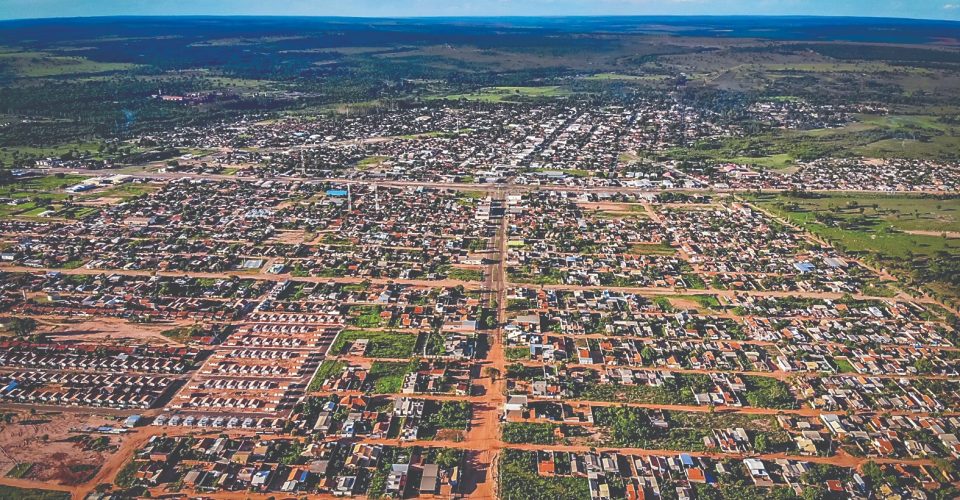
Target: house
430, 479
397, 479
516, 405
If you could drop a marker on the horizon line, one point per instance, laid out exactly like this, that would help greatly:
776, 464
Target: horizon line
479, 17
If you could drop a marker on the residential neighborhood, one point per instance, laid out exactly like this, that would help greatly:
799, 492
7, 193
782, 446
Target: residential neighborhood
698, 280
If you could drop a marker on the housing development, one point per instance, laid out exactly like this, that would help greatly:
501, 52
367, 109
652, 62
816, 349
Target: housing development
584, 287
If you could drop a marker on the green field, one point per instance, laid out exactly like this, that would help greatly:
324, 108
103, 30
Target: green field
20, 470
123, 191
11, 153
652, 249
875, 223
38, 185
382, 344
370, 162
630, 427
465, 274
387, 377
12, 492
366, 316
444, 415
43, 193
528, 432
913, 236
518, 476
775, 161
46, 193
43, 64
500, 94
327, 369
922, 136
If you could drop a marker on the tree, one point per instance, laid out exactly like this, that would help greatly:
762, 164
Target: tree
760, 443
22, 327
448, 457
874, 475
648, 354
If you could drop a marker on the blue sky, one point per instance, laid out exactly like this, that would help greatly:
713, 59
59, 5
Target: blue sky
930, 9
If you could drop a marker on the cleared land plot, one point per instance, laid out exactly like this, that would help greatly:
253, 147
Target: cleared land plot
894, 136
913, 236
44, 64
47, 450
865, 223
381, 344
500, 94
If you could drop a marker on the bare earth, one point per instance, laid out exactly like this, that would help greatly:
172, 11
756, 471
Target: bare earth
54, 459
113, 329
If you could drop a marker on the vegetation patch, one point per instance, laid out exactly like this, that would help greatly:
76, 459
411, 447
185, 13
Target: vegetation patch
12, 492
382, 344
529, 433
462, 274
444, 415
500, 94
518, 475
387, 377
687, 431
652, 249
906, 234
327, 369
20, 470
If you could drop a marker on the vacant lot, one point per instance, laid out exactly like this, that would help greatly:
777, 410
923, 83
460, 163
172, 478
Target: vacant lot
499, 94
916, 237
381, 344
896, 226
115, 330
42, 446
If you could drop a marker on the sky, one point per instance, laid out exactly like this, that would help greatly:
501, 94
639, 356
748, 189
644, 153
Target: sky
927, 9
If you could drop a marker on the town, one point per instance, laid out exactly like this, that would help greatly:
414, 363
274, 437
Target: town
540, 291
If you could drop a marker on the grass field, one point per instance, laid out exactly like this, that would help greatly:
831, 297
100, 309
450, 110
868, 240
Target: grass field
652, 249
326, 369
367, 316
878, 223
10, 153
44, 193
387, 377
500, 94
465, 274
44, 184
913, 236
43, 64
20, 470
123, 191
921, 136
382, 344
12, 492
370, 161
775, 162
